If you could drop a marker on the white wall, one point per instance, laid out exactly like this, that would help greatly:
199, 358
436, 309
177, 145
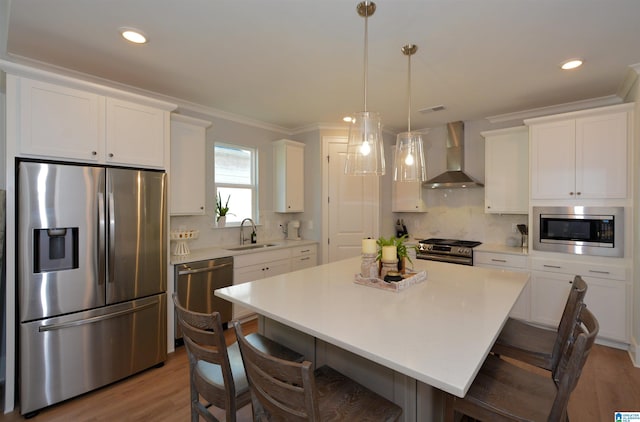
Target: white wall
3, 125
634, 96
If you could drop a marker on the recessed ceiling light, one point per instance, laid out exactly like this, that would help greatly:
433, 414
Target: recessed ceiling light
347, 119
133, 35
571, 64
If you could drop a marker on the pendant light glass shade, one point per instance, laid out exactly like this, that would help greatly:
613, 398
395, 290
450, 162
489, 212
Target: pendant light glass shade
365, 149
409, 158
409, 163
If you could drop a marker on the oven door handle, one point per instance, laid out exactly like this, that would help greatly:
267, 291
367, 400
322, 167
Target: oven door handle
448, 258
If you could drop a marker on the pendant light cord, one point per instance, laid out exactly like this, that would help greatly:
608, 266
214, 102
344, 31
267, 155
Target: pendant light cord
366, 53
409, 50
409, 96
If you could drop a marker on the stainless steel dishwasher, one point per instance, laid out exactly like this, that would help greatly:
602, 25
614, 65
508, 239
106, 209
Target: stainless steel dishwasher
195, 283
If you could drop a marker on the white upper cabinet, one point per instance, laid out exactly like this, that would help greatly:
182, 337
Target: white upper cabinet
65, 121
135, 134
506, 185
580, 155
289, 176
56, 121
188, 159
407, 197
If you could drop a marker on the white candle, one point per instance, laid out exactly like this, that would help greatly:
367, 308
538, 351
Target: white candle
369, 246
389, 253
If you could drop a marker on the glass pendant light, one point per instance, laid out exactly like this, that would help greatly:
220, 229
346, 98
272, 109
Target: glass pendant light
365, 148
409, 158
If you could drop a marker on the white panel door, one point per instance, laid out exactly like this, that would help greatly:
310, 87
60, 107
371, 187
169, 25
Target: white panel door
352, 206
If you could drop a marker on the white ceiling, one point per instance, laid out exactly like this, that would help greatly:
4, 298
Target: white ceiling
293, 63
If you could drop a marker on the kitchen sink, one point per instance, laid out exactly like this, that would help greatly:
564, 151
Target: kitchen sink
252, 246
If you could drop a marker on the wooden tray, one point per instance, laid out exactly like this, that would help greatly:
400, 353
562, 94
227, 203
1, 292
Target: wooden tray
393, 286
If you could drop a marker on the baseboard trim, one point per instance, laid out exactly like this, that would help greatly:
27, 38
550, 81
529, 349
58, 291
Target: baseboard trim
634, 352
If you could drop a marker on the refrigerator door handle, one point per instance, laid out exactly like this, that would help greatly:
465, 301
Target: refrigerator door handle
112, 237
101, 239
93, 320
203, 270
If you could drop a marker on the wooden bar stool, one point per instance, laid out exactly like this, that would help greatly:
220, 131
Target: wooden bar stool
282, 390
503, 391
538, 346
216, 371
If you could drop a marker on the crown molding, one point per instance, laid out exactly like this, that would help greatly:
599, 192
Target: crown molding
629, 80
319, 126
33, 67
95, 86
556, 109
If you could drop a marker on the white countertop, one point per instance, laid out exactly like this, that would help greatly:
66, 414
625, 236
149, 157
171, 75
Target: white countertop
438, 332
223, 251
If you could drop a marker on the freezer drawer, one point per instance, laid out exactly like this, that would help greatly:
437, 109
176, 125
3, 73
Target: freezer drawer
196, 282
66, 356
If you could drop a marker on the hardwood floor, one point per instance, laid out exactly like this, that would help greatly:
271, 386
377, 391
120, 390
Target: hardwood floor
608, 383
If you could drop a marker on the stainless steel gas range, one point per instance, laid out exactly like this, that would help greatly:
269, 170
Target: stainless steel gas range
447, 250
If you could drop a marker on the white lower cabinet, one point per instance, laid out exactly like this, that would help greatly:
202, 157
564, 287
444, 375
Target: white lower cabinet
304, 257
259, 265
511, 262
549, 294
606, 294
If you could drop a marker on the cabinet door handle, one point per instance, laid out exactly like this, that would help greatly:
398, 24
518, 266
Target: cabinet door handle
599, 272
94, 152
498, 260
305, 251
305, 258
552, 266
578, 193
111, 155
571, 193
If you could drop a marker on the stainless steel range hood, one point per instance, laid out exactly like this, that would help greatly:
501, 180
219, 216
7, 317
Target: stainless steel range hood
454, 177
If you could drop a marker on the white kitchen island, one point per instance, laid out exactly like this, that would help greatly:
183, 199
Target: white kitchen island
408, 345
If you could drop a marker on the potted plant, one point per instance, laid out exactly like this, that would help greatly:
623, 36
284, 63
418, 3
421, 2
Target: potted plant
222, 211
401, 249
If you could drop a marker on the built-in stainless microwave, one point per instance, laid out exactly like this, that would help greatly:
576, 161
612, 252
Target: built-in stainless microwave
579, 230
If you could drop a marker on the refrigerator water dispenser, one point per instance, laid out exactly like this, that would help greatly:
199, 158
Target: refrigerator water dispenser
55, 249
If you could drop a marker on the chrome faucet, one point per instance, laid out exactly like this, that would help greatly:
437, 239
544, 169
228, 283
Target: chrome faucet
253, 232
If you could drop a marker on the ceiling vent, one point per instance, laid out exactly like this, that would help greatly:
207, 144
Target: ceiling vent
431, 109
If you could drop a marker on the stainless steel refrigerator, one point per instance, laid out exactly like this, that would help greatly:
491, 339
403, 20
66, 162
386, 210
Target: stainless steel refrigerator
91, 277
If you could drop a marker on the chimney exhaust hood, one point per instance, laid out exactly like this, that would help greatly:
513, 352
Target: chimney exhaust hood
454, 177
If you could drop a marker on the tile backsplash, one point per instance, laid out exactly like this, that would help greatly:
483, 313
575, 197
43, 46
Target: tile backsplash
268, 228
452, 213
459, 214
